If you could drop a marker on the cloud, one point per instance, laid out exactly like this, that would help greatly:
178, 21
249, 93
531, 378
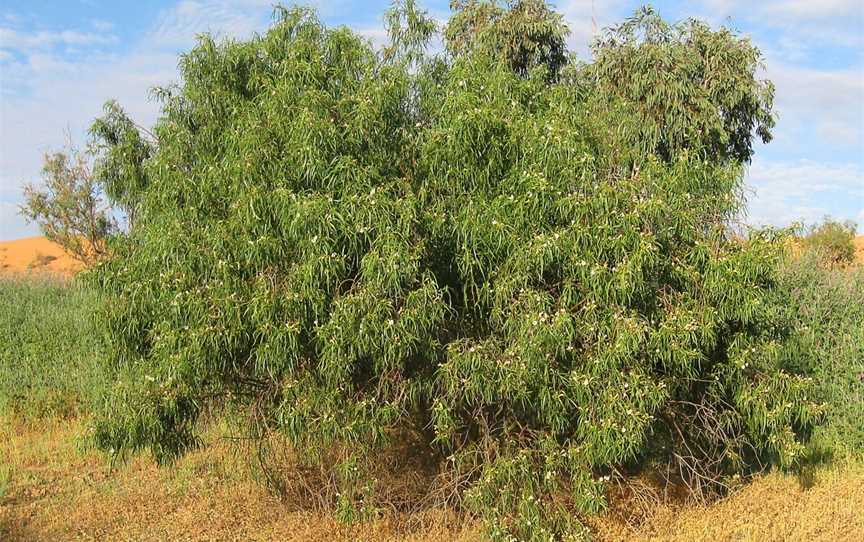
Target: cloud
809, 10
178, 26
783, 192
102, 26
824, 21
829, 101
13, 39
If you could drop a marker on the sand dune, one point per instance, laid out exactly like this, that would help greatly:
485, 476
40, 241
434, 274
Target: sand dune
36, 255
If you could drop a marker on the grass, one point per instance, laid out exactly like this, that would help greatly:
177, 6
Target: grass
50, 348
60, 492
827, 303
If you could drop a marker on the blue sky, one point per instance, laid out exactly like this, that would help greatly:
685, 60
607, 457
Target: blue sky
60, 60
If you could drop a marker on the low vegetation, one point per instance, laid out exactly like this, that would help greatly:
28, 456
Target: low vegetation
833, 242
826, 304
50, 356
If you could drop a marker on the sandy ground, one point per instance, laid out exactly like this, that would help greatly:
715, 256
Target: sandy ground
35, 254
859, 249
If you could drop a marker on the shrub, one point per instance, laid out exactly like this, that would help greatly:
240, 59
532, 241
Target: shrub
833, 241
49, 348
348, 246
827, 308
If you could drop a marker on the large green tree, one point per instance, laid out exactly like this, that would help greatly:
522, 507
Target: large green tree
120, 148
347, 245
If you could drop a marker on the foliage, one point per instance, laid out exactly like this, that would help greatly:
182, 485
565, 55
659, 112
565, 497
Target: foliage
526, 34
69, 208
684, 86
121, 147
348, 246
834, 241
49, 348
827, 306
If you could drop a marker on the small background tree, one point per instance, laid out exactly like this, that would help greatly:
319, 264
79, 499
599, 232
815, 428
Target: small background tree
75, 206
69, 206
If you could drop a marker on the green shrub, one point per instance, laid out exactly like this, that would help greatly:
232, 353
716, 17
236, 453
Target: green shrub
347, 246
833, 241
827, 308
49, 348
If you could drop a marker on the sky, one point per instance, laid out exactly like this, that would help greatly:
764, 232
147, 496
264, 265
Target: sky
60, 60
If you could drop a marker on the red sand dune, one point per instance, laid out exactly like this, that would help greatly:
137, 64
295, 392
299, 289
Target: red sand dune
36, 255
859, 249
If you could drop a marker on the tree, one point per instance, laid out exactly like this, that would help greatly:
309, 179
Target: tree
121, 148
69, 208
346, 246
526, 34
684, 86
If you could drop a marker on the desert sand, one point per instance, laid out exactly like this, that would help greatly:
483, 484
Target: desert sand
859, 249
36, 254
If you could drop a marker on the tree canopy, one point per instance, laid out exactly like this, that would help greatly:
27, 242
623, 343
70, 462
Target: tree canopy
69, 206
522, 259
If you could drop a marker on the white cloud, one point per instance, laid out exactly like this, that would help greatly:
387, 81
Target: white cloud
810, 9
813, 21
178, 26
102, 26
829, 102
13, 39
802, 190
794, 10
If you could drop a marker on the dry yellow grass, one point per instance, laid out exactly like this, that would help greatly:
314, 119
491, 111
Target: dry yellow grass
50, 490
56, 492
774, 508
